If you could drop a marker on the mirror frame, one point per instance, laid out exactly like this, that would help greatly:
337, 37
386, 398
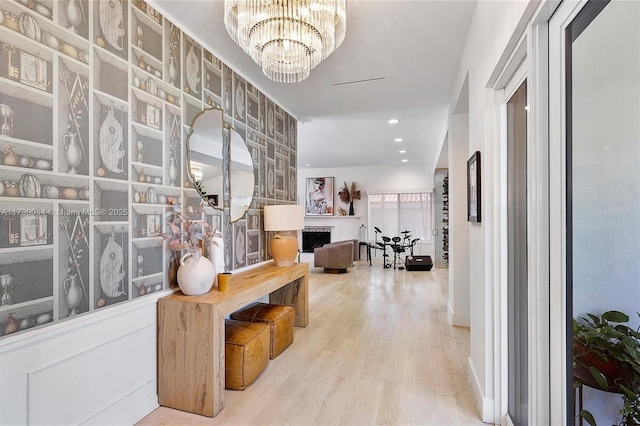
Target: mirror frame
197, 187
224, 205
243, 141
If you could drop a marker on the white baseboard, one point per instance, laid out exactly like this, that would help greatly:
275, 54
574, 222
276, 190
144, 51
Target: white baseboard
485, 405
139, 412
459, 320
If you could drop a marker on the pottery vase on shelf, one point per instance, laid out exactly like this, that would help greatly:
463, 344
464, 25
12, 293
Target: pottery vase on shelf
74, 14
6, 117
140, 270
72, 294
172, 68
10, 325
27, 322
10, 157
6, 285
351, 212
51, 41
214, 254
173, 171
72, 152
195, 276
140, 146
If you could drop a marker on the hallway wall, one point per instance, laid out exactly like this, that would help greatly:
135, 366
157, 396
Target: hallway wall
459, 256
94, 360
495, 28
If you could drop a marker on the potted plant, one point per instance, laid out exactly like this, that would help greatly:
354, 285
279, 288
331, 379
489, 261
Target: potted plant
196, 274
609, 351
349, 196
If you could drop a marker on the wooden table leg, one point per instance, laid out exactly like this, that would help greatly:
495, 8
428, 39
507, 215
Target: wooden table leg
188, 379
295, 294
301, 304
218, 347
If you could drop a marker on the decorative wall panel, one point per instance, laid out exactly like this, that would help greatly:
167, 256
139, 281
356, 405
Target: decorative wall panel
96, 100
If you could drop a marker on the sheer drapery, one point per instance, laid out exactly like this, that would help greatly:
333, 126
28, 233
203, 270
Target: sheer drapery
395, 213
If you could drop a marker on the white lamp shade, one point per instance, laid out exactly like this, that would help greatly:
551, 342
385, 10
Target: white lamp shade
283, 218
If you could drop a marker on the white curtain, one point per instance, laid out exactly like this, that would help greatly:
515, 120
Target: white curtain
395, 213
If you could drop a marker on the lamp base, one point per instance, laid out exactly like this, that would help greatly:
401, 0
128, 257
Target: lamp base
284, 248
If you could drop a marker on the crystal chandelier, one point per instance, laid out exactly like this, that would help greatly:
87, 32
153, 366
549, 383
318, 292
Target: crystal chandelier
286, 37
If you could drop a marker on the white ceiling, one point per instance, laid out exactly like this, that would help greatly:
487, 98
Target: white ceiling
415, 45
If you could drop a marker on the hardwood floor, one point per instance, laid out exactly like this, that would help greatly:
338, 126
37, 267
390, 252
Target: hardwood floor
378, 350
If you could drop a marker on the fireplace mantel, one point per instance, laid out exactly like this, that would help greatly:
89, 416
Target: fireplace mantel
306, 218
342, 227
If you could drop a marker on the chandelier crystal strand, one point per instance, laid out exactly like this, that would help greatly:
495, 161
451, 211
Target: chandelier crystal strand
287, 38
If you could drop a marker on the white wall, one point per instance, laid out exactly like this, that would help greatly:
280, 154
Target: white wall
459, 259
491, 33
372, 179
495, 29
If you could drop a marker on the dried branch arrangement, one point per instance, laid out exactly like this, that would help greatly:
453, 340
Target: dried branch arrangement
349, 195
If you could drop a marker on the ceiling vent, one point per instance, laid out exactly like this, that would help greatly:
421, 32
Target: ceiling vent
359, 81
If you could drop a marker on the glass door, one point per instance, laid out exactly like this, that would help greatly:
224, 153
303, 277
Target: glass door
602, 46
517, 285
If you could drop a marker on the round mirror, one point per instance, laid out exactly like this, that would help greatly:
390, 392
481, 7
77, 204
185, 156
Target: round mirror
204, 156
241, 176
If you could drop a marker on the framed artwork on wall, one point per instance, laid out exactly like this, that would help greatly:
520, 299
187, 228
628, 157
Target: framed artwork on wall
319, 196
473, 188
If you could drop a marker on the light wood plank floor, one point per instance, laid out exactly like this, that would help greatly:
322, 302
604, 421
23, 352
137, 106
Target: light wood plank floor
378, 350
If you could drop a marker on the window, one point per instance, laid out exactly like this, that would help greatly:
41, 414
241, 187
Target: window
396, 213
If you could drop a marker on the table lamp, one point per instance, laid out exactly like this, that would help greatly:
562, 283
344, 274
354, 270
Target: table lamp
285, 220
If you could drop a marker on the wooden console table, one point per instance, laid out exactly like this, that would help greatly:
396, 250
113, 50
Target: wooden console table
191, 333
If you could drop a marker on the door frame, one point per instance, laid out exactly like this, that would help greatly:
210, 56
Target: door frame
558, 356
515, 71
533, 49
517, 80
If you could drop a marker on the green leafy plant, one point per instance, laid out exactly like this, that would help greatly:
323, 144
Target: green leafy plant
610, 352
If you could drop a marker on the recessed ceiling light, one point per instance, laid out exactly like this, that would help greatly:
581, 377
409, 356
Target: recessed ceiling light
402, 151
307, 164
404, 160
393, 121
397, 140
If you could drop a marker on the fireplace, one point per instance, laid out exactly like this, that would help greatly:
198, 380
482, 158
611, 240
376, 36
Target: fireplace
315, 236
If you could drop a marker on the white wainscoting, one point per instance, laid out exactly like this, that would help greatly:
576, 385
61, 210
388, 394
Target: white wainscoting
95, 369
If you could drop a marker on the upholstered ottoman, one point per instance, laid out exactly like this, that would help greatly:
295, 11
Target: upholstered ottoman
246, 352
280, 319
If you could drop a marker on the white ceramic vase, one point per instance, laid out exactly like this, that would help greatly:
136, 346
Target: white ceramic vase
73, 152
195, 276
173, 171
173, 70
74, 14
73, 294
